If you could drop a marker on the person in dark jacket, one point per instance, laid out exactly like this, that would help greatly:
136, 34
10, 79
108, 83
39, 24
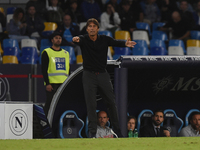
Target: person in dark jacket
154, 129
35, 24
69, 29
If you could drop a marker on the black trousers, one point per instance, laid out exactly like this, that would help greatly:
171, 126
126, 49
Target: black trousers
93, 81
49, 96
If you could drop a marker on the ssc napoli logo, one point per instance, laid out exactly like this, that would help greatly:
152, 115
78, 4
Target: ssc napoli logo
18, 122
4, 88
69, 130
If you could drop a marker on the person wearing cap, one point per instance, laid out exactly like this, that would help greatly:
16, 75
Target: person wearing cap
55, 68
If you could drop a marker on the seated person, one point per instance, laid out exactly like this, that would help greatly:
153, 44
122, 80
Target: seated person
110, 19
154, 129
179, 27
193, 128
102, 130
68, 30
35, 24
54, 12
196, 16
17, 27
131, 123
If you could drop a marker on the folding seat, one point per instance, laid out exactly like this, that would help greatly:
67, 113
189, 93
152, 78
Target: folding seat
79, 59
195, 35
82, 25
106, 32
122, 35
28, 43
157, 43
32, 51
1, 9
143, 26
158, 51
193, 43
70, 49
140, 35
11, 10
10, 59
10, 43
122, 50
70, 125
175, 51
193, 51
50, 27
13, 51
116, 56
177, 43
156, 25
27, 59
159, 35
140, 51
144, 118
187, 117
45, 42
172, 122
9, 17
140, 43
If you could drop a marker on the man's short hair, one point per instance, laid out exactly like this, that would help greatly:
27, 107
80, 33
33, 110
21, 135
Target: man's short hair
93, 21
193, 114
131, 117
158, 111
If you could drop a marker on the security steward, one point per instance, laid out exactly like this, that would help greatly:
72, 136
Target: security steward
55, 68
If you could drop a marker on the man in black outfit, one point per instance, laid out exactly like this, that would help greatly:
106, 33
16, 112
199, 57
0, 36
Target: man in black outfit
94, 49
154, 129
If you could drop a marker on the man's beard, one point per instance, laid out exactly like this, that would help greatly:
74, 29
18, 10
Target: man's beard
155, 123
57, 45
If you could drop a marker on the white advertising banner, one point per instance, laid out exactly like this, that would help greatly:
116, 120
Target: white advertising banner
16, 120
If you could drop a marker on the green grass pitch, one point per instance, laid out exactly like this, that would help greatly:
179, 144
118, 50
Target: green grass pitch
171, 143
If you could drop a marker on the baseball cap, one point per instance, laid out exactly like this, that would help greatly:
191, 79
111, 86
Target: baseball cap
55, 34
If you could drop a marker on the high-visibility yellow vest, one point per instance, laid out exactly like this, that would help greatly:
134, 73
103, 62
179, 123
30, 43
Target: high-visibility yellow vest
58, 69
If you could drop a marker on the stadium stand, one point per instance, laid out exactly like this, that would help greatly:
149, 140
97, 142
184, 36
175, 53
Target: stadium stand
156, 25
140, 51
193, 47
140, 35
10, 60
176, 47
13, 51
143, 26
195, 35
159, 35
122, 35
50, 27
27, 59
70, 49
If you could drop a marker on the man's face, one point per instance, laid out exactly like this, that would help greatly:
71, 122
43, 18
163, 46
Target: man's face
158, 118
131, 124
57, 40
195, 122
31, 10
67, 20
102, 119
92, 29
183, 5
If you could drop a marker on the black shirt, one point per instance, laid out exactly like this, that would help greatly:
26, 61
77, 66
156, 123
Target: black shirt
94, 53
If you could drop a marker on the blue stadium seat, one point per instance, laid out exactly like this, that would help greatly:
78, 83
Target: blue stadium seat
144, 118
27, 59
178, 43
32, 51
172, 122
106, 32
47, 33
140, 43
86, 124
10, 43
140, 51
156, 25
14, 51
45, 42
122, 50
159, 35
71, 53
70, 125
157, 43
195, 35
158, 51
143, 26
10, 10
116, 56
188, 115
